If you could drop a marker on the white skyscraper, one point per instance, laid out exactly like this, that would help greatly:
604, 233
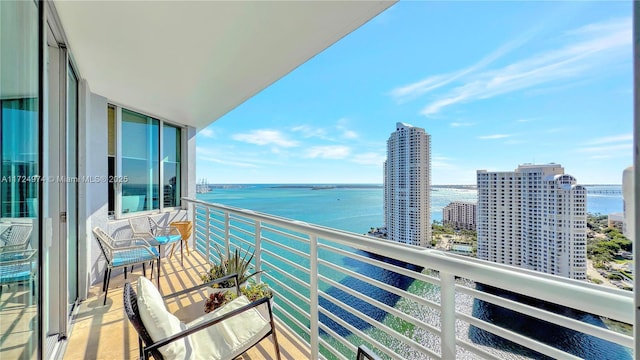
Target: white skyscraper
534, 217
407, 186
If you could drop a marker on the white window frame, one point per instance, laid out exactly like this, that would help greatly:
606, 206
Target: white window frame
118, 163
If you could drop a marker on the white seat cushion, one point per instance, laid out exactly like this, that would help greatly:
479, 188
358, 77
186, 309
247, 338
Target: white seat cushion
231, 337
159, 322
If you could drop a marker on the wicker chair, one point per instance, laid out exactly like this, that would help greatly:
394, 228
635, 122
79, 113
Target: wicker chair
124, 253
15, 237
226, 333
18, 266
147, 228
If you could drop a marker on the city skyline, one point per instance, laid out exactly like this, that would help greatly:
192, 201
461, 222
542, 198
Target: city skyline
537, 88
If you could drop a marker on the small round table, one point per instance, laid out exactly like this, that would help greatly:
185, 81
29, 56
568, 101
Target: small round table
185, 228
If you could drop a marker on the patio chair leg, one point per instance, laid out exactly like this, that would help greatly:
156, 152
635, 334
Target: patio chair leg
104, 281
106, 291
125, 273
159, 267
273, 333
152, 262
140, 347
144, 271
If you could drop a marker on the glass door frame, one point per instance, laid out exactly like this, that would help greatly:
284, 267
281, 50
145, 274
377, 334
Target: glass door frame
61, 154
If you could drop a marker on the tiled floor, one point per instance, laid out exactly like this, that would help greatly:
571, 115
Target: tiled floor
18, 322
104, 332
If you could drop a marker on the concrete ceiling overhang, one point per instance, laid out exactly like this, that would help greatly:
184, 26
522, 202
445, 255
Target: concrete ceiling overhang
194, 61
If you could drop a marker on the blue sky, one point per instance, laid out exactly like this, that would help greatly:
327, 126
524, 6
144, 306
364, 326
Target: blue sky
495, 84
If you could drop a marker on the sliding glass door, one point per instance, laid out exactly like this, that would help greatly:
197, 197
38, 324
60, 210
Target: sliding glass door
19, 180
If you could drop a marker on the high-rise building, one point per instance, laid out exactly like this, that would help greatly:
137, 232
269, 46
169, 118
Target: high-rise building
407, 185
534, 217
460, 214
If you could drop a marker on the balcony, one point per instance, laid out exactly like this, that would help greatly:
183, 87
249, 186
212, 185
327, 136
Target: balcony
334, 291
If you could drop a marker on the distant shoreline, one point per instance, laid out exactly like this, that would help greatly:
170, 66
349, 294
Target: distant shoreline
353, 186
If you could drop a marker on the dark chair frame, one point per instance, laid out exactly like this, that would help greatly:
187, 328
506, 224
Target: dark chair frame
149, 348
365, 354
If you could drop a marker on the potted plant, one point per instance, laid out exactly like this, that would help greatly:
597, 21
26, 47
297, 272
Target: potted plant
238, 263
253, 292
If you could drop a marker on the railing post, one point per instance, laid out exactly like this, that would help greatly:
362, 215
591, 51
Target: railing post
192, 207
258, 249
313, 297
227, 241
448, 315
207, 217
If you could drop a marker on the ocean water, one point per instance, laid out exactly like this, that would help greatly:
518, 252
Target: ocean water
357, 209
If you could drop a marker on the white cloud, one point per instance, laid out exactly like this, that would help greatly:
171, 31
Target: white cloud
206, 132
608, 147
370, 158
266, 137
328, 152
414, 90
442, 163
350, 134
346, 132
522, 121
226, 162
611, 139
494, 136
605, 149
461, 124
309, 131
606, 44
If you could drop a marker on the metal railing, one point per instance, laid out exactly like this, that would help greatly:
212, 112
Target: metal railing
337, 290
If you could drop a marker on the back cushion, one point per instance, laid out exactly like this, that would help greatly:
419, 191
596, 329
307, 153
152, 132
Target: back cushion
159, 322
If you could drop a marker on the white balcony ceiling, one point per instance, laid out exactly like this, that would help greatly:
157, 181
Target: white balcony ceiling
194, 61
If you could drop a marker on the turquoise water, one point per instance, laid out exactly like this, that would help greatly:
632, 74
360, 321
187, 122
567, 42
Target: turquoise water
356, 208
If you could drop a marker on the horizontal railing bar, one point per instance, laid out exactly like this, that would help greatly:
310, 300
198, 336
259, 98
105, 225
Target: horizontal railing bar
612, 303
286, 248
241, 240
397, 269
332, 349
550, 317
241, 220
383, 306
295, 307
472, 348
517, 338
381, 285
376, 324
241, 230
297, 322
286, 261
289, 302
302, 298
291, 236
286, 275
358, 332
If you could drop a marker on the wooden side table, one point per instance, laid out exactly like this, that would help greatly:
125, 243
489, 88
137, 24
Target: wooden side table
185, 228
